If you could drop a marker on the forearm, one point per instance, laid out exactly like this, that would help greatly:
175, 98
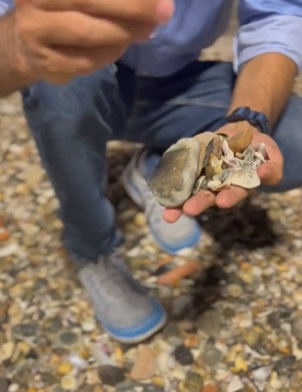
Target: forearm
264, 84
13, 75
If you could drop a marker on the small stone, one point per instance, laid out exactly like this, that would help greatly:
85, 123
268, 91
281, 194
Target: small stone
241, 365
297, 328
183, 355
210, 322
283, 365
210, 388
89, 325
145, 364
246, 276
212, 356
274, 319
65, 368
29, 229
234, 290
261, 374
68, 338
8, 250
7, 351
170, 330
149, 388
111, 375
4, 235
252, 336
33, 175
25, 330
193, 382
4, 383
229, 313
235, 385
77, 361
13, 387
275, 382
140, 219
180, 303
68, 383
158, 381
54, 325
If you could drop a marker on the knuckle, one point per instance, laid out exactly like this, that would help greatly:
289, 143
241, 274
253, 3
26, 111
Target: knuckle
142, 11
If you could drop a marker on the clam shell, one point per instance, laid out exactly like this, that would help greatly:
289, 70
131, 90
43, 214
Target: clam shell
243, 178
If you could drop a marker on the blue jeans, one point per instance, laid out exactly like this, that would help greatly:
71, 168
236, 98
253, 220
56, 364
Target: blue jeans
71, 125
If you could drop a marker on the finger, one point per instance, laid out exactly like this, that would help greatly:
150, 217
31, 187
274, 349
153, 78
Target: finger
270, 173
61, 62
199, 203
150, 11
227, 198
92, 32
171, 215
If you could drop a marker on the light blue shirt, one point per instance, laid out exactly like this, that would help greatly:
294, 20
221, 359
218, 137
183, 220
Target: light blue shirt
264, 26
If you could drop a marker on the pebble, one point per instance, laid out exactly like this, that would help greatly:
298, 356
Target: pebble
192, 383
13, 387
3, 384
8, 250
210, 388
235, 385
111, 375
7, 350
234, 290
210, 322
26, 329
145, 364
183, 355
65, 368
180, 303
68, 383
212, 356
88, 325
261, 374
68, 338
297, 328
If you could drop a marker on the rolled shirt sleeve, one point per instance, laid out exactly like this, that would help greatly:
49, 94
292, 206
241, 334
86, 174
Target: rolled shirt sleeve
268, 26
5, 6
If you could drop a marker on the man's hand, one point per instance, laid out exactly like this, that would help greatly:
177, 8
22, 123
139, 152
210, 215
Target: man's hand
61, 39
270, 173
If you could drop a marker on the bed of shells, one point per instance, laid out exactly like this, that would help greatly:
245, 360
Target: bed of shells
235, 319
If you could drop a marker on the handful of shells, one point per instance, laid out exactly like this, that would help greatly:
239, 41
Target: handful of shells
207, 162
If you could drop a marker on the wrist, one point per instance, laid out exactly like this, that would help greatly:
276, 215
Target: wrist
231, 129
19, 62
256, 119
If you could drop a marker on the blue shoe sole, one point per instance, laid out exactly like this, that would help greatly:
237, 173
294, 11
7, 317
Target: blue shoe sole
192, 241
134, 193
141, 331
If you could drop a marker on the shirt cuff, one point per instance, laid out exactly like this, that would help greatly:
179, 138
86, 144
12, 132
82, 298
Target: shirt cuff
3, 9
278, 33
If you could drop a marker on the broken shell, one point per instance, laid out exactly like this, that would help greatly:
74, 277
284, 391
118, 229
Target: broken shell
243, 178
213, 154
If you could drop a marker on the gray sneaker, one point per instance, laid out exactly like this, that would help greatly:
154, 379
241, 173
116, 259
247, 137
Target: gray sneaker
121, 304
171, 237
